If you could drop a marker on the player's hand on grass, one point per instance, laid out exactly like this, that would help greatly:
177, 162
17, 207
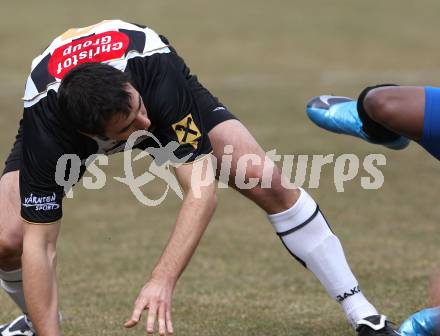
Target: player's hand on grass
155, 298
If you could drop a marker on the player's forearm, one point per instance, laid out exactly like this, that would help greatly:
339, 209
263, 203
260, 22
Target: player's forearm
192, 220
40, 287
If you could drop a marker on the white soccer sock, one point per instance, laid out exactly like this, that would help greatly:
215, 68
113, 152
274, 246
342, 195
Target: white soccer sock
12, 283
308, 237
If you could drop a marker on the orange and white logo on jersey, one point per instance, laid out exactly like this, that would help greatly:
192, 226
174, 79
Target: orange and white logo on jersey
73, 33
96, 48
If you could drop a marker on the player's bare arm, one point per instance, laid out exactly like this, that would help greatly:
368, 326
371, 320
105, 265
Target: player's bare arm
192, 220
39, 276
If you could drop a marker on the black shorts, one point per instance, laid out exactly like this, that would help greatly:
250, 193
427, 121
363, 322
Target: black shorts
212, 111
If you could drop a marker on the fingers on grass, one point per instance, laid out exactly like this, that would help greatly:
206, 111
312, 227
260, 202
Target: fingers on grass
151, 319
169, 322
161, 319
136, 315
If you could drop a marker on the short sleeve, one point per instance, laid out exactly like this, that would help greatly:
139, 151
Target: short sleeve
41, 196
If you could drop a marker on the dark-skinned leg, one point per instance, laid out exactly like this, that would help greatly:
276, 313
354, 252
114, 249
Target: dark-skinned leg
398, 108
410, 111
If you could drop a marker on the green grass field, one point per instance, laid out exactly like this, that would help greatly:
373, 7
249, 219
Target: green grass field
264, 60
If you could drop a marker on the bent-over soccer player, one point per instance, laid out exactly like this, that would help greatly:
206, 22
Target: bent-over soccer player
86, 94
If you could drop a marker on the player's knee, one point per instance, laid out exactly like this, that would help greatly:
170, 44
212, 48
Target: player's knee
11, 244
381, 105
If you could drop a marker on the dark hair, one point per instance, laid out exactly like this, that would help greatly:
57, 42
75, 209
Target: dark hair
90, 95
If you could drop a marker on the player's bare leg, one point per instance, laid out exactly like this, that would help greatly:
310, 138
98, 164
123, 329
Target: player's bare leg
383, 114
348, 116
301, 226
11, 241
11, 227
397, 108
233, 132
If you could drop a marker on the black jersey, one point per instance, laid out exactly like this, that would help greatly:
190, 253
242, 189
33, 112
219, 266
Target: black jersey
157, 72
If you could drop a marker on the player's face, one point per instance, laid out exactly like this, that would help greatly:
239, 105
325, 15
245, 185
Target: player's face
122, 126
